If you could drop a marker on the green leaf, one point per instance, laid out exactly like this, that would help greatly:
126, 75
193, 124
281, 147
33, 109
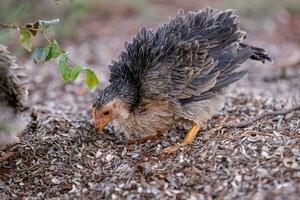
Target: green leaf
40, 25
54, 51
91, 79
47, 23
64, 69
25, 38
75, 71
41, 53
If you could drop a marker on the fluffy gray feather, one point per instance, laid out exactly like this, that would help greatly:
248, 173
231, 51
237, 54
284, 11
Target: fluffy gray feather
13, 97
190, 58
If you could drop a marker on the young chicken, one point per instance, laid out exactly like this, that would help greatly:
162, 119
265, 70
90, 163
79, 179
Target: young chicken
13, 96
175, 75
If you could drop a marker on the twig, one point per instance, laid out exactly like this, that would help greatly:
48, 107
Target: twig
46, 37
11, 26
258, 117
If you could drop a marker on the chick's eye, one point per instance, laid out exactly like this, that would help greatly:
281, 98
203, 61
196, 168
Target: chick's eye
106, 113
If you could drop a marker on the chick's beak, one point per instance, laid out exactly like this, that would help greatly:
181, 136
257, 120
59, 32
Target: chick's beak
99, 121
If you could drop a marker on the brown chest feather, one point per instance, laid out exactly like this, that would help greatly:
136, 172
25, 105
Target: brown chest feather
150, 119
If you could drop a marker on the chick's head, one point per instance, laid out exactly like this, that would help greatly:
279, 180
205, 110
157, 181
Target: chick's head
114, 102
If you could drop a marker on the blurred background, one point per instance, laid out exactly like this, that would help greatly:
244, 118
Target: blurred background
59, 154
94, 31
83, 20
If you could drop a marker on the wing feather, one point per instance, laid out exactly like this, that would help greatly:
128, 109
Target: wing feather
190, 58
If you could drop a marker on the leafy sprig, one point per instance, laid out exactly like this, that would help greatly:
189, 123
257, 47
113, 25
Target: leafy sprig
44, 53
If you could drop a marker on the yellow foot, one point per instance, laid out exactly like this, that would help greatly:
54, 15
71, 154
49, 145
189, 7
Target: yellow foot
187, 140
7, 156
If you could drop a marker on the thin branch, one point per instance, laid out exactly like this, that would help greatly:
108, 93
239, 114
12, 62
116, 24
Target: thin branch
258, 117
46, 37
11, 26
72, 61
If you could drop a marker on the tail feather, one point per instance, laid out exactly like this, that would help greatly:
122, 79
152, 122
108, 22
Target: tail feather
258, 54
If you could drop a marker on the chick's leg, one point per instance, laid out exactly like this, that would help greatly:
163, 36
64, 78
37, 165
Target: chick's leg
191, 134
187, 140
